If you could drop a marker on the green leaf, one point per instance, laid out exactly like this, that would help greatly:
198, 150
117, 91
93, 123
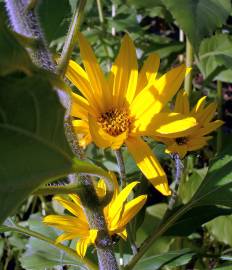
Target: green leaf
188, 188
13, 56
169, 259
194, 218
216, 189
54, 18
215, 56
40, 255
32, 140
199, 19
221, 229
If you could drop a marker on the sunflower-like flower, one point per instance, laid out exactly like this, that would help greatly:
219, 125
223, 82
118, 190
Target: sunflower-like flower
197, 138
117, 215
126, 104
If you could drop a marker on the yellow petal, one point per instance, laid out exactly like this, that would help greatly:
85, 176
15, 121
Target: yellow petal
148, 72
207, 114
66, 223
123, 234
83, 243
153, 98
103, 139
73, 208
66, 236
79, 78
182, 103
117, 206
81, 107
179, 149
131, 209
148, 164
81, 127
96, 77
170, 125
196, 143
124, 74
208, 128
199, 106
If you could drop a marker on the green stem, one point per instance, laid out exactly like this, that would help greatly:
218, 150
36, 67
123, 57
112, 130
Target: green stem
69, 251
189, 63
100, 11
219, 102
53, 190
71, 38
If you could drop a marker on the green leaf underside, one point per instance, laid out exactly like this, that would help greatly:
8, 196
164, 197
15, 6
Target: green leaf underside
33, 144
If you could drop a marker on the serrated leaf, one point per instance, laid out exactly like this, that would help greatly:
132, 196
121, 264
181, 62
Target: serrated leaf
199, 18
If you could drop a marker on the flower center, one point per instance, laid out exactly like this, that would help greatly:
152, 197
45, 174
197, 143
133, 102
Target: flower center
115, 121
181, 140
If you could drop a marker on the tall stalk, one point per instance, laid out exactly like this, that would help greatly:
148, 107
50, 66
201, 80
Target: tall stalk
24, 20
189, 63
219, 108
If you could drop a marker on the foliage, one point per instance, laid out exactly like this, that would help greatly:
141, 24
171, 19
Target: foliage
197, 231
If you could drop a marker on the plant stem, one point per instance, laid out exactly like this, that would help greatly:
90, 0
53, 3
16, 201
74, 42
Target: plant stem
178, 169
69, 251
100, 11
219, 102
121, 167
189, 63
53, 190
25, 22
71, 38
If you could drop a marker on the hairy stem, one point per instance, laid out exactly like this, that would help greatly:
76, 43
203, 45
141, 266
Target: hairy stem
53, 190
178, 170
24, 20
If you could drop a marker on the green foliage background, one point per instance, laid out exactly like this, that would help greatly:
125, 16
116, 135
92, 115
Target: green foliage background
197, 233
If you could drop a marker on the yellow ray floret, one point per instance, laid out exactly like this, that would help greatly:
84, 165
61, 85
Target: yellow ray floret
197, 138
126, 104
118, 214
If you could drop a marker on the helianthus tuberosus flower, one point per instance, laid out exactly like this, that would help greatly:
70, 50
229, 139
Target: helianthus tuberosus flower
197, 138
117, 215
126, 104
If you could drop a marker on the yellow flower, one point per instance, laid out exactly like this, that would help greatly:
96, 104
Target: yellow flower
117, 214
196, 139
126, 104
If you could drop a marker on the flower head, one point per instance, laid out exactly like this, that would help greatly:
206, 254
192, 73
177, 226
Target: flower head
126, 104
197, 138
117, 215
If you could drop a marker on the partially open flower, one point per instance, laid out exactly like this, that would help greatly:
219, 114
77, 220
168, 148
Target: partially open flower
126, 104
118, 214
197, 138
